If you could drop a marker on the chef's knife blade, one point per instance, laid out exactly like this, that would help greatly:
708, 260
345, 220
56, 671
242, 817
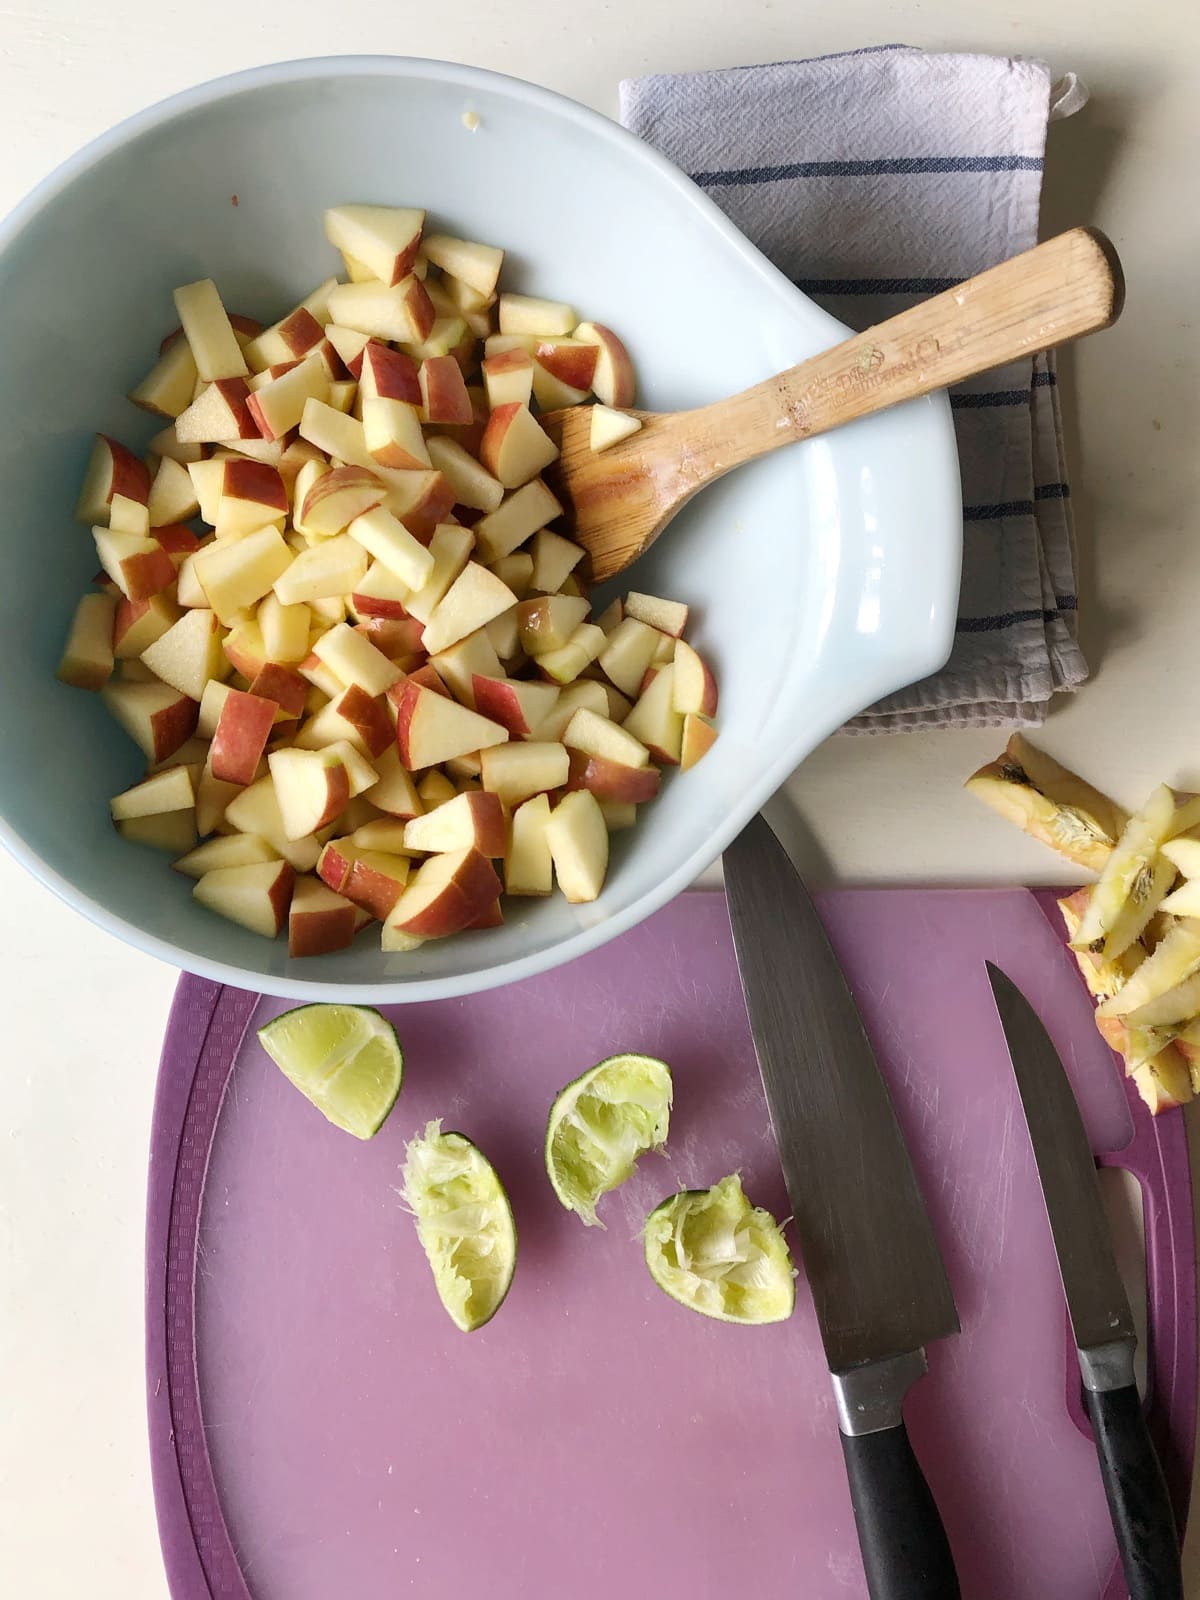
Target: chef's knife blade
1099, 1307
869, 1253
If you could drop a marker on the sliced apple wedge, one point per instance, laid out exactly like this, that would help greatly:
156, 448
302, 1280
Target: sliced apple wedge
475, 264
168, 790
255, 810
387, 539
1050, 803
394, 790
257, 897
319, 921
331, 569
609, 427
699, 736
694, 688
528, 867
475, 818
188, 655
173, 832
87, 658
520, 705
473, 599
518, 516
226, 850
402, 312
517, 772
461, 663
385, 239
240, 738
1135, 879
431, 728
112, 470
614, 380
515, 448
655, 721
156, 717
446, 895
312, 788
578, 840
1173, 961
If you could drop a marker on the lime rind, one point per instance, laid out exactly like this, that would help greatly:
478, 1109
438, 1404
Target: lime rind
599, 1126
464, 1222
717, 1254
345, 1059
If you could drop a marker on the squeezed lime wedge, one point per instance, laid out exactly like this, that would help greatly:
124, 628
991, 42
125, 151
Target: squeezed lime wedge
464, 1222
715, 1253
600, 1124
346, 1059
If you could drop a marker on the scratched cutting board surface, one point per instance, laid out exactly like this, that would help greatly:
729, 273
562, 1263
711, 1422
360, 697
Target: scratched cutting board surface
320, 1430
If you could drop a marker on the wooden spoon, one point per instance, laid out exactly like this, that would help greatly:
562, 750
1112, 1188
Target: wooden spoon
621, 499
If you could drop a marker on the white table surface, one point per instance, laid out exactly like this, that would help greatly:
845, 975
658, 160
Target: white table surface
84, 1016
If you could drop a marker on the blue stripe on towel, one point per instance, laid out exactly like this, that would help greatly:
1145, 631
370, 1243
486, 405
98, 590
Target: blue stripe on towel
875, 285
1006, 508
1010, 619
907, 165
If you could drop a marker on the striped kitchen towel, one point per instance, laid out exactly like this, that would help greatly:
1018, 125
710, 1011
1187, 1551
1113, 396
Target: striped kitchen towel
872, 179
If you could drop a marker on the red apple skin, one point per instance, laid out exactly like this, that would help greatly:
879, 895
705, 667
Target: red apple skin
708, 691
286, 688
475, 888
301, 331
496, 700
243, 729
172, 726
434, 506
104, 583
420, 308
236, 394
334, 863
698, 738
241, 660
399, 638
257, 481
130, 476
344, 478
389, 373
613, 780
570, 364
493, 917
375, 891
493, 435
370, 606
176, 539
369, 716
322, 931
148, 574
444, 391
488, 822
624, 378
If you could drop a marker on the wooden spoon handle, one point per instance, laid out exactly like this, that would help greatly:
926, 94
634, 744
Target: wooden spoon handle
1069, 286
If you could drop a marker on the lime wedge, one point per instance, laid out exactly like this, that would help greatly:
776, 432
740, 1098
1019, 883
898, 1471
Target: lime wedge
600, 1124
464, 1222
714, 1252
345, 1059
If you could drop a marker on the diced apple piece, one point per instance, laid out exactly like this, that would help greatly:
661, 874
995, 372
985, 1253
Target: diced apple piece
473, 599
431, 729
517, 772
545, 624
338, 436
112, 470
614, 380
362, 773
290, 339
516, 571
255, 810
444, 396
475, 264
287, 689
172, 494
516, 704
578, 840
612, 780
581, 649
389, 374
506, 642
472, 485
188, 654
353, 715
611, 617
278, 406
475, 818
87, 658
523, 512
350, 346
156, 717
421, 500
243, 728
394, 792
387, 539
178, 541
444, 336
434, 789
515, 447
169, 790
140, 567
312, 788
284, 629
166, 444
1134, 881
336, 498
609, 427
570, 362
508, 378
235, 574
322, 678
167, 388
333, 568
528, 868
256, 896
584, 692
170, 831
384, 238
209, 333
1185, 853
319, 921
397, 638
244, 648
355, 660
381, 594
668, 616
392, 432
695, 688
401, 311
699, 736
597, 736
371, 879
1184, 902
618, 815
212, 703
129, 516
470, 658
447, 894
208, 480
655, 721
218, 413
227, 850
527, 314
554, 558
384, 834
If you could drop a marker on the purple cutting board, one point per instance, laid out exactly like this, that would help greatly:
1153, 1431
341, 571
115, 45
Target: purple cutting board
320, 1432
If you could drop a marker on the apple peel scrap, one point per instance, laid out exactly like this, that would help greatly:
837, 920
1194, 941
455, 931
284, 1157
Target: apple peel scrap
1135, 933
334, 614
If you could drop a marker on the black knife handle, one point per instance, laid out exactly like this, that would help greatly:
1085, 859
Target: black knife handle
1138, 1500
905, 1552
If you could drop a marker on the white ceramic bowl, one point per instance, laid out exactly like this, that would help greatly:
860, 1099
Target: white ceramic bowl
819, 579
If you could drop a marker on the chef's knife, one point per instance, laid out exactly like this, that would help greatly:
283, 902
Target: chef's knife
1100, 1316
869, 1254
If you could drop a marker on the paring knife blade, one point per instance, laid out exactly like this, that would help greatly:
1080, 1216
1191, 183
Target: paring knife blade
867, 1246
1138, 1500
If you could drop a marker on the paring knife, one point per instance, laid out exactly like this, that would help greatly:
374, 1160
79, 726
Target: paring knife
1100, 1316
868, 1250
